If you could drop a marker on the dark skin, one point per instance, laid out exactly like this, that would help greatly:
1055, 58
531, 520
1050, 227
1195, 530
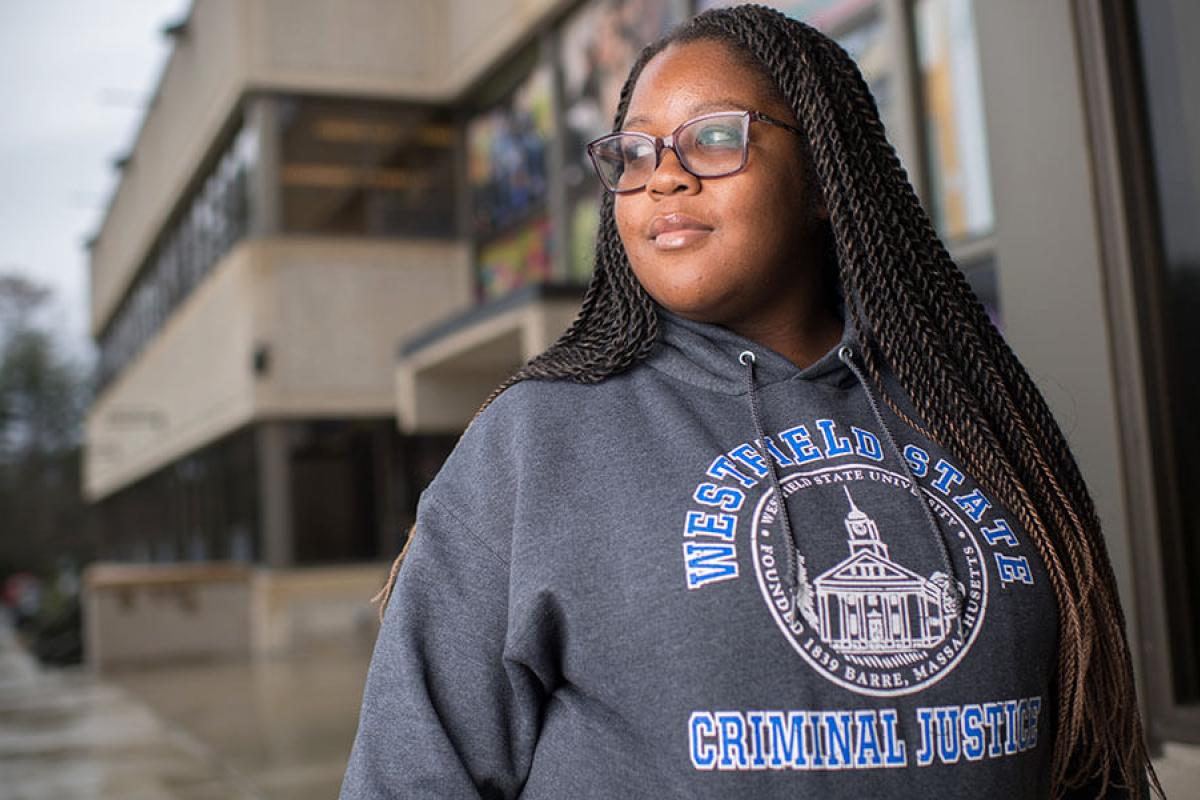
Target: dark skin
759, 270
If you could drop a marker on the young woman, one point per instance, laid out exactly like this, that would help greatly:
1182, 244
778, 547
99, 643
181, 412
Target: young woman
604, 595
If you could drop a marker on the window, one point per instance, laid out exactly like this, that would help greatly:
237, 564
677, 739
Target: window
366, 168
955, 144
211, 219
1171, 85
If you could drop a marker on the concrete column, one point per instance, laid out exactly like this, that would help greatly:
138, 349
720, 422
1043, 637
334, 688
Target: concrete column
385, 496
262, 118
275, 494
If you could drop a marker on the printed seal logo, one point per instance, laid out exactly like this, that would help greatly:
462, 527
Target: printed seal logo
867, 622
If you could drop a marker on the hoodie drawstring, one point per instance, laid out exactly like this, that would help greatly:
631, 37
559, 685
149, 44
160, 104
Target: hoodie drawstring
846, 355
789, 541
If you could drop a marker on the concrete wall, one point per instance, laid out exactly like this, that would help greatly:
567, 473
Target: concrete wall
293, 609
352, 46
333, 313
191, 383
441, 386
138, 615
153, 613
479, 34
329, 315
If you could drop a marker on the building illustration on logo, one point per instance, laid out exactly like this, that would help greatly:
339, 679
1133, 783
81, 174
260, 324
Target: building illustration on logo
868, 604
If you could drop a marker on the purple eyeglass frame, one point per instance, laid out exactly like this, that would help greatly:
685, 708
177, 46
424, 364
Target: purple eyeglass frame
664, 142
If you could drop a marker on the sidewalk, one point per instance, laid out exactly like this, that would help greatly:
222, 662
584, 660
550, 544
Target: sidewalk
65, 735
280, 729
1178, 769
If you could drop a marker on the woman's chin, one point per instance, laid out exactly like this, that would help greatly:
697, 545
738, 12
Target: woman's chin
705, 308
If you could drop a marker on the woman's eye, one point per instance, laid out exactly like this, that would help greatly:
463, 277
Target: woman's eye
719, 136
637, 150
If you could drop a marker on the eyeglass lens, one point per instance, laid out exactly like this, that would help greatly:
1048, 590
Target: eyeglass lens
707, 148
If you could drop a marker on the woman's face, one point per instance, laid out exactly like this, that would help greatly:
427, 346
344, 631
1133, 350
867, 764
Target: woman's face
756, 260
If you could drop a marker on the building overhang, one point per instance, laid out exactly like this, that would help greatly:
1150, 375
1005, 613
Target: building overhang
444, 373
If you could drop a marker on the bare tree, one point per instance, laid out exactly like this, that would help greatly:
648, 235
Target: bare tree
43, 394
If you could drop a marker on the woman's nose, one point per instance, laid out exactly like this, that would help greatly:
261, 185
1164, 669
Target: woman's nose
670, 176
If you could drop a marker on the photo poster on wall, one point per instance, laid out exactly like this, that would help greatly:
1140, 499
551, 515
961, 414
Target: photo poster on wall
507, 153
598, 45
516, 259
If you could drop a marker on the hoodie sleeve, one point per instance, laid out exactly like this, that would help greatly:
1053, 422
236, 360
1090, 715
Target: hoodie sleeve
444, 713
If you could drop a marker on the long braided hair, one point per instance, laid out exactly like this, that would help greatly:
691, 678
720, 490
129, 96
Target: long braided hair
915, 313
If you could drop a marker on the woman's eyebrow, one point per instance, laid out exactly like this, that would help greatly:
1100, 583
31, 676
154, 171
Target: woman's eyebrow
721, 104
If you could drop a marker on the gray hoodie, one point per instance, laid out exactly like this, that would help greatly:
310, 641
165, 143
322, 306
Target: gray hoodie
602, 600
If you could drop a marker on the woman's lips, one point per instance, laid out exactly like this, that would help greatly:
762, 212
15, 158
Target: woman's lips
679, 238
676, 230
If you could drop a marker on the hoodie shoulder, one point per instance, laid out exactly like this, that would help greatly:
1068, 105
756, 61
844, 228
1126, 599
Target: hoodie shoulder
503, 452
524, 415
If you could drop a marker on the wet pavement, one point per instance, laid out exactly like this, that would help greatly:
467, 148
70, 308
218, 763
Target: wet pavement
65, 735
270, 729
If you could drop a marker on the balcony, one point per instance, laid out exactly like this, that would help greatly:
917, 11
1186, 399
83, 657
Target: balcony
283, 327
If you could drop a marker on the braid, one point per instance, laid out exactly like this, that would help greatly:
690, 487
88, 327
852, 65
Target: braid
914, 312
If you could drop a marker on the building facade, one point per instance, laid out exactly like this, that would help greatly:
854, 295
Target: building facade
342, 224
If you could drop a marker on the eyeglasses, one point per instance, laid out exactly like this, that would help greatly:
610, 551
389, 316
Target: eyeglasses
708, 146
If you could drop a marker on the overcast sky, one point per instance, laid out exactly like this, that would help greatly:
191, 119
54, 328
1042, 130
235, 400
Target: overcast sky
74, 79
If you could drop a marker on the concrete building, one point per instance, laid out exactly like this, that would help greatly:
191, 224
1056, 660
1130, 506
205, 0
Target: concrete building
343, 223
291, 212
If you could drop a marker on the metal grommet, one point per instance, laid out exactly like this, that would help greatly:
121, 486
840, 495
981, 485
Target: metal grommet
845, 352
746, 357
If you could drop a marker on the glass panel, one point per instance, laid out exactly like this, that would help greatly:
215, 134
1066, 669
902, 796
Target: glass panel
366, 168
516, 259
1168, 30
506, 156
955, 144
599, 44
203, 506
335, 504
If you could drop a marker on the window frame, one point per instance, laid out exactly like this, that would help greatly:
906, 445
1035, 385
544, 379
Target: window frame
1134, 268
